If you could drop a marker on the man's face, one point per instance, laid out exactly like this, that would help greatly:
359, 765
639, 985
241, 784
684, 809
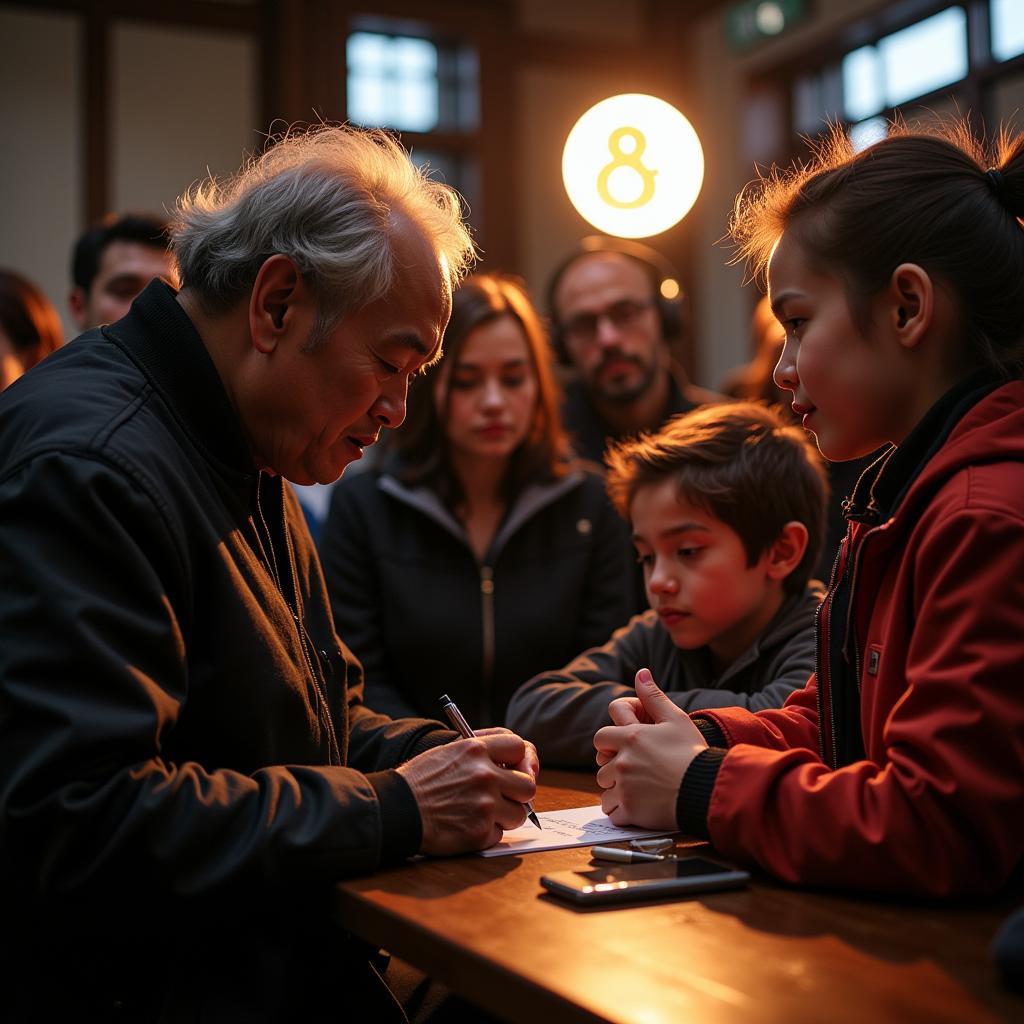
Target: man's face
309, 414
606, 309
125, 269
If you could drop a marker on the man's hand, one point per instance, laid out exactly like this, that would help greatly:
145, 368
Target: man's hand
466, 795
530, 762
644, 756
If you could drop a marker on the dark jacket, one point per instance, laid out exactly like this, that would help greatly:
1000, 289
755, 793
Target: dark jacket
561, 711
183, 744
590, 433
899, 766
426, 618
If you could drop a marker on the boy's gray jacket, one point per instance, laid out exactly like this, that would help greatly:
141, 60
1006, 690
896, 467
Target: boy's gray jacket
560, 711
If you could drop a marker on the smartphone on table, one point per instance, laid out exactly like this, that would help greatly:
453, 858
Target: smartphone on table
626, 882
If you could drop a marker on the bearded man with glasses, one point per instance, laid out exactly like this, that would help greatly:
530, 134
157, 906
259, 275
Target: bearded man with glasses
615, 308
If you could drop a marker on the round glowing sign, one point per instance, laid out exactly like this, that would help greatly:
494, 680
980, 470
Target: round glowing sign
632, 165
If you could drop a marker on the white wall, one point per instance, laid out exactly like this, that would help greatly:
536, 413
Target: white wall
183, 101
40, 172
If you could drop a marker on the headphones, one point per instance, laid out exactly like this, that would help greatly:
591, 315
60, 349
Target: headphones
657, 268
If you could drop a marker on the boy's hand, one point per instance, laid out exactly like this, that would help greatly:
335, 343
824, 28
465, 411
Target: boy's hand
644, 756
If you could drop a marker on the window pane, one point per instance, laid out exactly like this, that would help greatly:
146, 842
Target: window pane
416, 105
1007, 20
415, 58
925, 56
366, 100
867, 133
392, 81
365, 50
862, 84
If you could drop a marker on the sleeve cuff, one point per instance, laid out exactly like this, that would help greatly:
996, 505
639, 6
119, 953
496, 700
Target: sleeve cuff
433, 738
401, 829
695, 792
710, 730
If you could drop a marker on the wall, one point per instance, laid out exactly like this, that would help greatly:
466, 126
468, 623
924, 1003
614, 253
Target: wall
182, 101
722, 303
40, 181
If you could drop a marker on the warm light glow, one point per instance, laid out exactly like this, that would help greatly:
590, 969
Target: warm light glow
669, 288
633, 166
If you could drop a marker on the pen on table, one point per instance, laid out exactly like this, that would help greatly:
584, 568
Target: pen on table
623, 856
462, 728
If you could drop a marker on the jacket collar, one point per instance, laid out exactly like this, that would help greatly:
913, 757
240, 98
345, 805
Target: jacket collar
527, 504
162, 341
795, 614
884, 485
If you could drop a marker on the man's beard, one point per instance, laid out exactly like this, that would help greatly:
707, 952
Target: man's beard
623, 393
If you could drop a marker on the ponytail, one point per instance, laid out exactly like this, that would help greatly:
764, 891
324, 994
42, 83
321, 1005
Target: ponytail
931, 197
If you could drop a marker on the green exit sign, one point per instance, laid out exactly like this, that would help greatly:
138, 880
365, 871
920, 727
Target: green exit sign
756, 21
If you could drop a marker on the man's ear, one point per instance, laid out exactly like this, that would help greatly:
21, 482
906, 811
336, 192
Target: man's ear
911, 301
76, 304
786, 551
271, 304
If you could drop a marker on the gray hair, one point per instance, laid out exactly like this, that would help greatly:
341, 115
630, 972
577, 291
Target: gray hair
324, 198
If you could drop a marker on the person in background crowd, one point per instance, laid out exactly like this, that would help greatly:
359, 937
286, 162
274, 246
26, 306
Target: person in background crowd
29, 326
615, 308
112, 262
480, 551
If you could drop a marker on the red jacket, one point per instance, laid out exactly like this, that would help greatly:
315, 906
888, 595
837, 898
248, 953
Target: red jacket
936, 804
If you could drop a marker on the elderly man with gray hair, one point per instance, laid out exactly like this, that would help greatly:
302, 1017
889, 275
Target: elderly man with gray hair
186, 763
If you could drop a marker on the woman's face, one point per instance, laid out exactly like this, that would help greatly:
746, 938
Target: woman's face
491, 389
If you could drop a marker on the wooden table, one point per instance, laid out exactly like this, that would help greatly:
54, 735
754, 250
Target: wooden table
483, 927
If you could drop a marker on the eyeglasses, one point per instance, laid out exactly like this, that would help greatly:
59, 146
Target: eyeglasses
622, 315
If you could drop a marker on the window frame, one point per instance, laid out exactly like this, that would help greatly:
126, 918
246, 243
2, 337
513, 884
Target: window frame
971, 92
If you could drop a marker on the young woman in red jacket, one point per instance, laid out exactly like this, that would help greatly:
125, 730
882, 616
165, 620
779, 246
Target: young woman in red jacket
898, 275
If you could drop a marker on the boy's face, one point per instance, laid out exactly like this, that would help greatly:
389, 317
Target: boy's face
697, 577
849, 389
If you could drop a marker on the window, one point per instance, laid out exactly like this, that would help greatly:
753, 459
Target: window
411, 84
392, 81
426, 88
1006, 21
955, 60
912, 62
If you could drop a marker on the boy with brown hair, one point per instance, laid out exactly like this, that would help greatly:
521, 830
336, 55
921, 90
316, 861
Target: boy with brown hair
727, 506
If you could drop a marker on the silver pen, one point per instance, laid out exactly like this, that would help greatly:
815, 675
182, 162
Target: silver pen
455, 716
624, 856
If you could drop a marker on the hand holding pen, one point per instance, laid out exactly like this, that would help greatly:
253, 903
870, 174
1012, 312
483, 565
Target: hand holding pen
462, 727
466, 796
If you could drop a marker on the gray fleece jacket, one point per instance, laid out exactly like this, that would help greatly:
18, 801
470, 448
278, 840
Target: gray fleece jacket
561, 710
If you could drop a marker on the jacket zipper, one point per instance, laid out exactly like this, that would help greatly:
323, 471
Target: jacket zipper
487, 611
821, 664
323, 712
850, 570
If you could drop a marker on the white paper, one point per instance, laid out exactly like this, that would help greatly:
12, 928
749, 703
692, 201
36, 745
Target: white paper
577, 826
